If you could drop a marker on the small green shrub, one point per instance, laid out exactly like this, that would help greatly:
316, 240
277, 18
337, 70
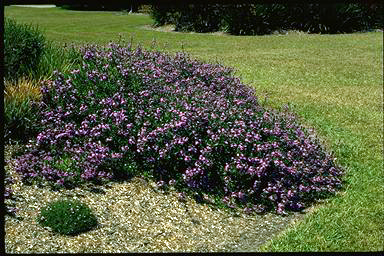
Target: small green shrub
23, 47
67, 217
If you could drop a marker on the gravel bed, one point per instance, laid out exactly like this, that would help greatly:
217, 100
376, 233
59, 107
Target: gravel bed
135, 216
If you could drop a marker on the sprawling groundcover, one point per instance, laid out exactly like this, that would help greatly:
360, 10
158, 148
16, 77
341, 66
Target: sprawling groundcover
187, 124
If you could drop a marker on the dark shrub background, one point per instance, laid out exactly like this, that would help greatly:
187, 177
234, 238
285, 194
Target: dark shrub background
264, 18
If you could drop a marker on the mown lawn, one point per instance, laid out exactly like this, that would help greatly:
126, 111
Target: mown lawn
333, 82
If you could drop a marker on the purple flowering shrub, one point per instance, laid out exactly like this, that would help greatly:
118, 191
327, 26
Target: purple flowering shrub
130, 112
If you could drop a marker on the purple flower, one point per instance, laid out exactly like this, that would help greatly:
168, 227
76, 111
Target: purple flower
88, 55
117, 155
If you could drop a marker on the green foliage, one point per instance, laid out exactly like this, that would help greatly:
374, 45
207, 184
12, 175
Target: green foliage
67, 217
256, 19
163, 15
145, 9
28, 54
20, 109
23, 48
22, 92
57, 57
199, 19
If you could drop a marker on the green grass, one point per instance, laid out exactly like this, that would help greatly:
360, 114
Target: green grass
333, 82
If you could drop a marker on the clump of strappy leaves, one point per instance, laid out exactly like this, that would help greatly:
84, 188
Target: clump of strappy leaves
129, 112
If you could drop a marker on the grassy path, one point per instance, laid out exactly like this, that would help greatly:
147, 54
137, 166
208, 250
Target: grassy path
333, 82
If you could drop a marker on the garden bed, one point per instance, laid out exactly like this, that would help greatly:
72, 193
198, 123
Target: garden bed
135, 216
340, 103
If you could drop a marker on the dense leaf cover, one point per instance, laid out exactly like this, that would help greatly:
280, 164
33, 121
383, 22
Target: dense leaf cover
129, 112
23, 48
266, 18
67, 217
